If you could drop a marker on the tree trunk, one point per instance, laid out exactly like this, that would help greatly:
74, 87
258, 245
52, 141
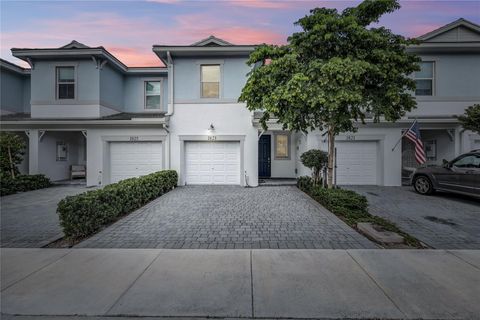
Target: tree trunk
331, 156
11, 163
315, 176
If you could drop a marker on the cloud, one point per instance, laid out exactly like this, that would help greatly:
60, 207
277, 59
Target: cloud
165, 1
135, 57
417, 30
131, 39
198, 26
262, 4
245, 35
259, 4
113, 32
130, 33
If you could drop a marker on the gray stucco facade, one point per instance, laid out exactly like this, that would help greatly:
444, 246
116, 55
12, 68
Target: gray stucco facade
233, 73
15, 90
134, 91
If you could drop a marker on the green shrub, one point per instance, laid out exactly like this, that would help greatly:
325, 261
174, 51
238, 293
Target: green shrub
315, 160
84, 214
305, 183
21, 183
351, 207
349, 204
12, 149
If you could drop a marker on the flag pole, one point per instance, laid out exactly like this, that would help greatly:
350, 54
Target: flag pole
404, 133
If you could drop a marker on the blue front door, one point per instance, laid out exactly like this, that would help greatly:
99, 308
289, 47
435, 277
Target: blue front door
264, 156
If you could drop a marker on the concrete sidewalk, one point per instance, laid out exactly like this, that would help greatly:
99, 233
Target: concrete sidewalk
331, 284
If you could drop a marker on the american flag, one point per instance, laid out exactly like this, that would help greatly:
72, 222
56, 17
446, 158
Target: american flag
414, 135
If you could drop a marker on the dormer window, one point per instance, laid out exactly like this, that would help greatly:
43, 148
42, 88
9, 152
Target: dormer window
65, 83
152, 95
424, 79
210, 81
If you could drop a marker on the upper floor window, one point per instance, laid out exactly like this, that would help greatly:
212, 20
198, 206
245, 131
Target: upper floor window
210, 81
152, 94
424, 79
66, 82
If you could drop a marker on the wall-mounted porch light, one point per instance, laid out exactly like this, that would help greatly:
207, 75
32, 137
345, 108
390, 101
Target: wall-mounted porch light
211, 129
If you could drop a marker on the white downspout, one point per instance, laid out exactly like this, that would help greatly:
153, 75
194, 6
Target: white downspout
462, 141
170, 84
170, 105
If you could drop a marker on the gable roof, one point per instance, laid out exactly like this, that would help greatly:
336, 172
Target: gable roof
211, 41
454, 31
459, 36
74, 50
208, 47
74, 44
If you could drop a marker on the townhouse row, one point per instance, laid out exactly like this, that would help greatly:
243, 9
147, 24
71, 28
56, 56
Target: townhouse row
80, 105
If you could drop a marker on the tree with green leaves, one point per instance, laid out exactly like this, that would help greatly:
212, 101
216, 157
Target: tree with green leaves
334, 73
470, 120
12, 149
315, 160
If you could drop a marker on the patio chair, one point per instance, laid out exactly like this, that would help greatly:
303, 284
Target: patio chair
78, 171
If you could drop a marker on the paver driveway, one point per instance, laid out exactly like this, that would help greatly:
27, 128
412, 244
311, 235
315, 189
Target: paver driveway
29, 219
442, 221
230, 217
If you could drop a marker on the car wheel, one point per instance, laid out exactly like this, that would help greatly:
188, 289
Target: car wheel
423, 185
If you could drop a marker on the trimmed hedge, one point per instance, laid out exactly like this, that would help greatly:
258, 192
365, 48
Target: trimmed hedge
351, 207
84, 214
305, 183
22, 183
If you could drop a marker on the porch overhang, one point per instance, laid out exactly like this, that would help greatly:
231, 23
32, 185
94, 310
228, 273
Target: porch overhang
273, 124
9, 122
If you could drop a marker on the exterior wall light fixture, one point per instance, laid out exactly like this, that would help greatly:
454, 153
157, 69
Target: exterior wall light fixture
211, 129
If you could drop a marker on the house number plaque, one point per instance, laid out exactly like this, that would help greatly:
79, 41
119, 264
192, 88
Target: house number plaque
350, 137
212, 138
134, 138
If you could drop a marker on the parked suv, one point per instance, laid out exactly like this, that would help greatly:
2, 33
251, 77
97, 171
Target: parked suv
461, 175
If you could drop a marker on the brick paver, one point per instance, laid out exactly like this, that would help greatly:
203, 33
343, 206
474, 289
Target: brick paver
442, 221
29, 219
224, 217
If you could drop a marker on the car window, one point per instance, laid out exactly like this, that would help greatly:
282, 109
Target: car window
472, 161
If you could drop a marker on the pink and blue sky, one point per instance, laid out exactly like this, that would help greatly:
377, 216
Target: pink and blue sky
128, 29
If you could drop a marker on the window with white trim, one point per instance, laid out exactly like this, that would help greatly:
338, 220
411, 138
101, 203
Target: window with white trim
152, 95
424, 79
210, 81
282, 146
65, 77
62, 151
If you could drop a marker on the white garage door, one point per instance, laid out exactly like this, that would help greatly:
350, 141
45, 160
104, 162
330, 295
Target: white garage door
356, 162
212, 162
133, 159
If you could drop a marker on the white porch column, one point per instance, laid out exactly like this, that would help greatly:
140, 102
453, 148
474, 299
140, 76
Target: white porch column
33, 137
457, 141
